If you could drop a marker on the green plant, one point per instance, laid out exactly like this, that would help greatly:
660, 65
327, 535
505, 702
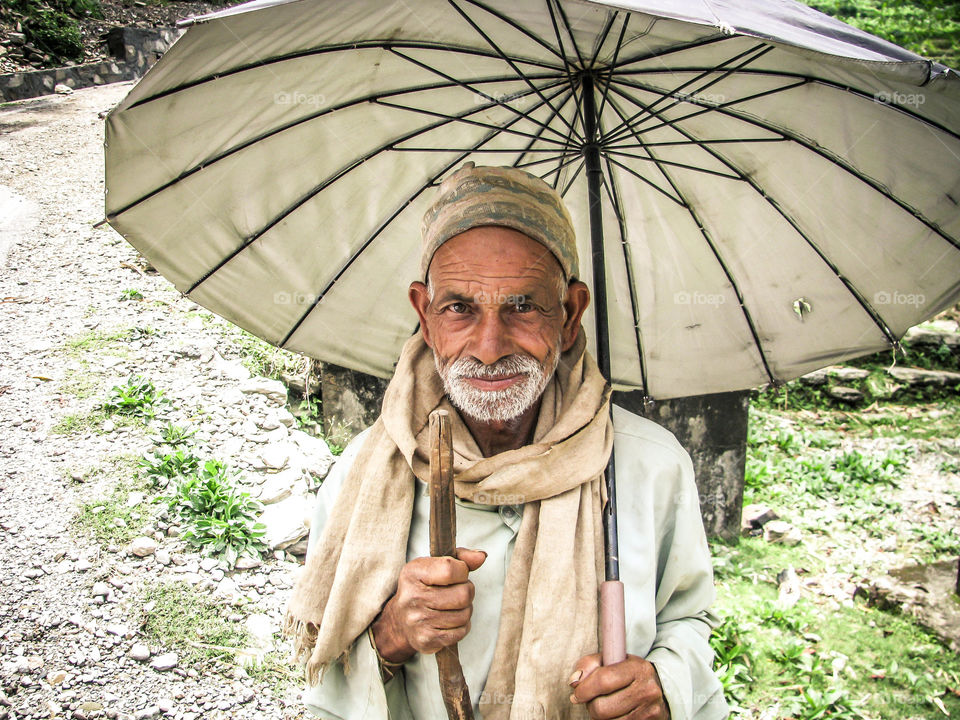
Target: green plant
221, 521
166, 466
813, 704
131, 294
137, 396
860, 468
201, 636
55, 33
171, 434
731, 660
111, 520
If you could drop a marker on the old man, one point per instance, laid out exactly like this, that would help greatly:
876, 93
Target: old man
502, 349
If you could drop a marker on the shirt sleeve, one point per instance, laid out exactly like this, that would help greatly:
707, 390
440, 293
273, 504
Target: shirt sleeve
666, 567
351, 690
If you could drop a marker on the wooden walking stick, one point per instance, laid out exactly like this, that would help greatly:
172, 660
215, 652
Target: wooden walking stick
443, 541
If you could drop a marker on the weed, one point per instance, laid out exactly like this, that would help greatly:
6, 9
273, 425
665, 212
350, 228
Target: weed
165, 466
221, 521
200, 636
813, 704
941, 543
130, 294
171, 434
111, 520
96, 341
731, 659
859, 468
137, 397
81, 382
276, 670
262, 358
92, 421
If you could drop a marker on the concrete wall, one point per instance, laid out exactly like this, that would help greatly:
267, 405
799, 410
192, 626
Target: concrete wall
134, 51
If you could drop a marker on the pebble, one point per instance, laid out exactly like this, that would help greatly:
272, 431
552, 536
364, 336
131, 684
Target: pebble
143, 546
139, 652
167, 661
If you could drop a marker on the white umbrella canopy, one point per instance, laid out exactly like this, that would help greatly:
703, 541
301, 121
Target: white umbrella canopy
779, 191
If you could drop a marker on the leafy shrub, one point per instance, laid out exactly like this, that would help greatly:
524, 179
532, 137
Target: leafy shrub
221, 520
55, 33
166, 466
137, 397
731, 660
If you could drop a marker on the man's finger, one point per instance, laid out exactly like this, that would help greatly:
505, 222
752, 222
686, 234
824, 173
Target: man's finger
441, 571
449, 597
449, 619
604, 681
473, 558
585, 665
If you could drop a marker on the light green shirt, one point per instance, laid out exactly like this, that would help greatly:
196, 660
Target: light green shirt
664, 565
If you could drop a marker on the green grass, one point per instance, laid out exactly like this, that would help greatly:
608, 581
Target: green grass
885, 665
97, 341
97, 518
202, 637
926, 27
91, 421
262, 358
81, 382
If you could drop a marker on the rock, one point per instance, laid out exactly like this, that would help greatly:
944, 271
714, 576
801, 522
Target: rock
82, 565
245, 562
148, 713
61, 89
275, 456
286, 522
317, 458
299, 548
108, 425
162, 556
789, 588
755, 517
118, 630
143, 546
286, 417
164, 662
274, 390
879, 385
281, 486
166, 705
778, 531
932, 335
100, 589
139, 652
915, 377
836, 372
844, 393
229, 370
231, 396
56, 677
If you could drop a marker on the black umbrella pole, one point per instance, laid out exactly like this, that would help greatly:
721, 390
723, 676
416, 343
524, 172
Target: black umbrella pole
612, 620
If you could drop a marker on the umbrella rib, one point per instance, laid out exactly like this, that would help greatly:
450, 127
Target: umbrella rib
757, 51
648, 181
503, 55
373, 236
566, 63
611, 19
580, 167
573, 40
723, 266
292, 124
512, 23
611, 189
563, 162
319, 188
609, 73
851, 288
343, 47
489, 126
561, 165
830, 157
541, 129
560, 156
467, 86
666, 143
672, 163
672, 49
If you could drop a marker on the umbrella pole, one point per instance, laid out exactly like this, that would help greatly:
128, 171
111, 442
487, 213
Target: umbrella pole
612, 620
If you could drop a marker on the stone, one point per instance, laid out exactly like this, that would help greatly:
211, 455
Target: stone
281, 486
755, 517
62, 89
162, 556
143, 546
788, 585
286, 417
245, 562
231, 396
286, 522
100, 589
56, 677
275, 456
148, 713
274, 390
316, 455
844, 393
108, 425
915, 377
165, 662
139, 652
778, 531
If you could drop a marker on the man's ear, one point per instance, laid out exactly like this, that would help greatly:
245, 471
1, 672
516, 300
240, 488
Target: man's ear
576, 301
420, 299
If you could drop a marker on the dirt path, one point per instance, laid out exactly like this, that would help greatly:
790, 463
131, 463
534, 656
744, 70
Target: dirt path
72, 608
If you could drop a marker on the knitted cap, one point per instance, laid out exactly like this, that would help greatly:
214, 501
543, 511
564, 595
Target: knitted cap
504, 196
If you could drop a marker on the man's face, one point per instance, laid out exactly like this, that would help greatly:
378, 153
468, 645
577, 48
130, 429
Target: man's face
497, 315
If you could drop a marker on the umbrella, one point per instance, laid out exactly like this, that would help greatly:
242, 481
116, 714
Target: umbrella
758, 190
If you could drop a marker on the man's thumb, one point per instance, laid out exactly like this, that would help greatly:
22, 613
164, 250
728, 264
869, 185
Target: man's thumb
473, 558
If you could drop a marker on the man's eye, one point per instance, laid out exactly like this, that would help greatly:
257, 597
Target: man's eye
524, 307
457, 307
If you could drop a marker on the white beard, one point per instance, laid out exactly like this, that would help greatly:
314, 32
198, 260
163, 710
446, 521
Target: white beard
487, 406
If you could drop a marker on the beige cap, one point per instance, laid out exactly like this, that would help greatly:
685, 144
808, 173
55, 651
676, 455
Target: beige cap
504, 196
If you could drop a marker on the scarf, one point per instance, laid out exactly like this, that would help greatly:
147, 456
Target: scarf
549, 616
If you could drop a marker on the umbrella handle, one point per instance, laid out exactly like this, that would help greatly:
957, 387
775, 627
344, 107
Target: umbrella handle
613, 628
443, 542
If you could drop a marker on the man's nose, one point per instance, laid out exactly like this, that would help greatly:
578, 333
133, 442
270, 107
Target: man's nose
491, 341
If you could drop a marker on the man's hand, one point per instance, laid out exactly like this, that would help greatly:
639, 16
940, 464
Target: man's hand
629, 690
431, 608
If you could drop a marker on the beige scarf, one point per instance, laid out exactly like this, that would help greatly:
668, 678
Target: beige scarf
550, 596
